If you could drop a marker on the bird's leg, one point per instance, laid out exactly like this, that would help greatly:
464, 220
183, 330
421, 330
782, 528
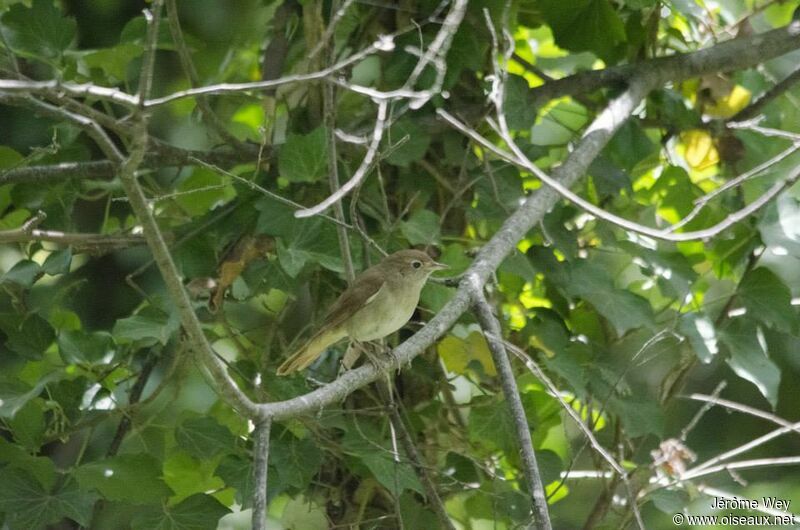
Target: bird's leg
351, 356
376, 355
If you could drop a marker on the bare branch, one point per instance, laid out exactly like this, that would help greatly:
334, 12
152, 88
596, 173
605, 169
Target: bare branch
493, 334
260, 469
80, 242
233, 88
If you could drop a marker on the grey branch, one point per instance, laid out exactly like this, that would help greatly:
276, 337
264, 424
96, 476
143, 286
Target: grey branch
530, 468
260, 468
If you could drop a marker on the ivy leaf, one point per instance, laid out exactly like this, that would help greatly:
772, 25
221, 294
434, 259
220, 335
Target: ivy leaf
187, 476
591, 25
297, 461
396, 477
198, 512
702, 335
78, 346
422, 228
304, 157
40, 30
639, 416
14, 394
204, 437
30, 338
23, 274
134, 478
149, 326
458, 353
623, 309
749, 358
518, 104
114, 61
767, 299
29, 506
58, 262
28, 425
491, 425
408, 142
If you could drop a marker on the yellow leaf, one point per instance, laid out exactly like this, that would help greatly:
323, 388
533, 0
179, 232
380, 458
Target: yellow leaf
727, 106
699, 149
458, 353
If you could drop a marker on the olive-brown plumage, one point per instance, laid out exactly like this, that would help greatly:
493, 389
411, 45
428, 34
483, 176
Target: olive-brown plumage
379, 302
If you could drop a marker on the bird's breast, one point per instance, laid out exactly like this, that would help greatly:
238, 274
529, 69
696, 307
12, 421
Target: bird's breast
385, 314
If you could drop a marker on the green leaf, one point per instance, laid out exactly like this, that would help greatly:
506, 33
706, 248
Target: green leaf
623, 309
58, 262
749, 358
14, 394
186, 475
237, 472
114, 61
518, 104
29, 338
296, 461
670, 501
24, 274
198, 512
702, 335
407, 142
422, 228
40, 30
491, 425
304, 158
204, 190
305, 514
301, 240
28, 425
148, 326
639, 416
79, 346
204, 437
29, 506
767, 299
584, 25
134, 478
41, 467
396, 477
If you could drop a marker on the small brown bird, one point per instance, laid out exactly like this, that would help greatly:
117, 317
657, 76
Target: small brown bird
379, 302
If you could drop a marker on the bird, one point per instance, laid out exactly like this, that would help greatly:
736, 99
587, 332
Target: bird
378, 302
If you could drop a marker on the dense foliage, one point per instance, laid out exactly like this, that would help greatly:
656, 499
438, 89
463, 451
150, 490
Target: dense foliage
107, 417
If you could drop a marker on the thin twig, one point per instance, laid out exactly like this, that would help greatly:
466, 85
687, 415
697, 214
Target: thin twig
361, 172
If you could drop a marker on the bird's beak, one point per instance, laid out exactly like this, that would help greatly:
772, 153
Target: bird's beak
436, 266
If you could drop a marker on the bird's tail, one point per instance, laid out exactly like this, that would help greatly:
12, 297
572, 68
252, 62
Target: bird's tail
309, 353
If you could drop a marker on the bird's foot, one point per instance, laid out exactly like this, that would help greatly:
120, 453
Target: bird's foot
380, 358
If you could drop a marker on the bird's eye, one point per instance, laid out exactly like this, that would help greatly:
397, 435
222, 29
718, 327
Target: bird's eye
416, 264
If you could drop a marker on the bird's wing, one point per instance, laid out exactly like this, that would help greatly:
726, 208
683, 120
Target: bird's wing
364, 290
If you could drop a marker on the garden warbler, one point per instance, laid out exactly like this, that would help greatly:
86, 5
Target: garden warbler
379, 302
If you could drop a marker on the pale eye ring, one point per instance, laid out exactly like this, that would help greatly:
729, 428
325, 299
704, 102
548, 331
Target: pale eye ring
416, 264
